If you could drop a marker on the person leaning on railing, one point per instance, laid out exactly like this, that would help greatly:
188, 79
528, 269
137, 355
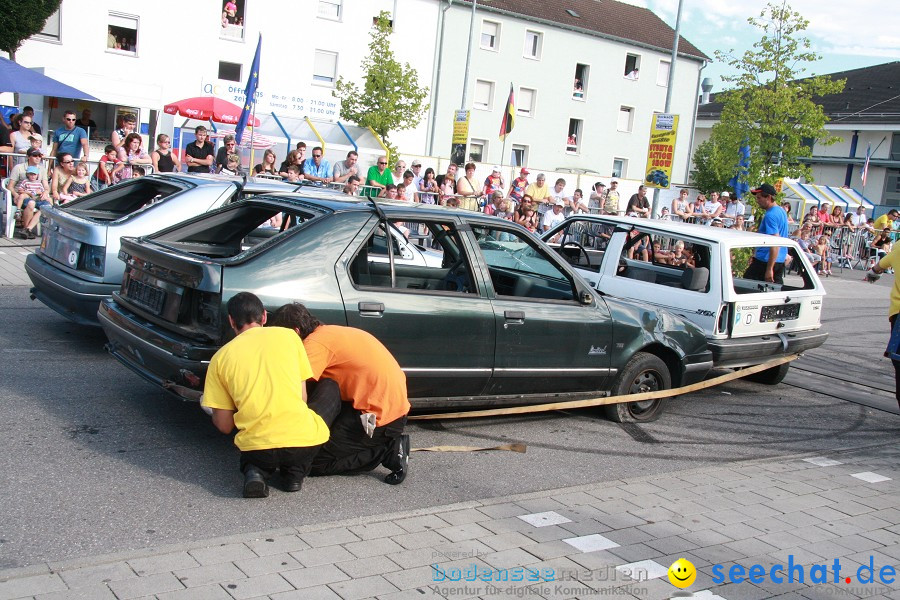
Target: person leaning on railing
468, 190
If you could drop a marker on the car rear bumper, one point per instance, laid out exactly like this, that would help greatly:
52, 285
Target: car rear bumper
153, 353
696, 366
73, 298
743, 352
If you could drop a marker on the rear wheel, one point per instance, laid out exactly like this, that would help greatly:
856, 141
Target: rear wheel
643, 373
772, 376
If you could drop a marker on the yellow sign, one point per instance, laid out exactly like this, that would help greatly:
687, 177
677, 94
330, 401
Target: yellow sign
460, 137
661, 152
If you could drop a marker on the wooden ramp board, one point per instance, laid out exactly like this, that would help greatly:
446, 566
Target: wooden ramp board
836, 388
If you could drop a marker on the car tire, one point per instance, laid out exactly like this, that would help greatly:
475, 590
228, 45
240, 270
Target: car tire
772, 376
644, 373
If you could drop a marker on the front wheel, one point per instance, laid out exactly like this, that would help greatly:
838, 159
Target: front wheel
643, 373
772, 376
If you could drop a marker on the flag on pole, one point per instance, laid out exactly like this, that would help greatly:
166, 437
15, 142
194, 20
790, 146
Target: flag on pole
509, 115
739, 182
249, 94
865, 169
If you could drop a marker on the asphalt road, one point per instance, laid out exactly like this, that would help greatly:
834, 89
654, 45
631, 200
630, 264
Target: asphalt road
93, 460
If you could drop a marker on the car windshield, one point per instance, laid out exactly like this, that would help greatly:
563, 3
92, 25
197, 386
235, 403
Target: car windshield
123, 199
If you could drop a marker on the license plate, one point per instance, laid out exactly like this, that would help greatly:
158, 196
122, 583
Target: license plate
779, 312
62, 249
147, 296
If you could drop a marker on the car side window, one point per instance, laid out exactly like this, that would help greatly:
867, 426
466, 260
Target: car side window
582, 242
520, 267
665, 260
425, 256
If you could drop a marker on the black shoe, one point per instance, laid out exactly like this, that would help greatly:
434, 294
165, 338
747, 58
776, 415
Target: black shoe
292, 485
30, 234
255, 483
399, 462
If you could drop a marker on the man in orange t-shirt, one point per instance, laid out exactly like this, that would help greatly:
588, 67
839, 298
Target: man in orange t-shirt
371, 383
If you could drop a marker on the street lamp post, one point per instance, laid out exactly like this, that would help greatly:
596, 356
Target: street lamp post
670, 83
462, 106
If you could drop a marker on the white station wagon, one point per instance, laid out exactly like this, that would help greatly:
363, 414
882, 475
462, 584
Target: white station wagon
696, 272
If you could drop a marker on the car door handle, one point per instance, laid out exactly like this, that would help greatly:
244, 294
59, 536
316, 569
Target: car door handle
372, 309
514, 317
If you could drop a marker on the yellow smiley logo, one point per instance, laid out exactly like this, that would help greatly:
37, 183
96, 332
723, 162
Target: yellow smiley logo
682, 573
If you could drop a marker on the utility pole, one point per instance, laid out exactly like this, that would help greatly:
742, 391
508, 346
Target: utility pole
655, 209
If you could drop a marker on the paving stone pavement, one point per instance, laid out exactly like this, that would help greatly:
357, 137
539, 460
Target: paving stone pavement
12, 260
753, 529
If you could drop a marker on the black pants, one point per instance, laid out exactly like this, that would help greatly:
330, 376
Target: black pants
896, 364
350, 450
757, 271
324, 398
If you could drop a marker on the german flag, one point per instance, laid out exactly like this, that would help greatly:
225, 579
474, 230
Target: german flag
509, 115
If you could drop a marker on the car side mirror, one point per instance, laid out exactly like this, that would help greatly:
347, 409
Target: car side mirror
586, 298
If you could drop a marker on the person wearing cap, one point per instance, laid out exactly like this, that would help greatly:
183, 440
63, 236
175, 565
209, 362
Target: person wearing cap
766, 264
597, 197
611, 201
493, 183
554, 217
416, 169
33, 158
518, 186
33, 194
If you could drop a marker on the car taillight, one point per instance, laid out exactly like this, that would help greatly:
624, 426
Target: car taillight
93, 258
208, 307
724, 318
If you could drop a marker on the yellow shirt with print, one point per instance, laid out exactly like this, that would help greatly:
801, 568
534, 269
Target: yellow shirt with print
892, 261
260, 374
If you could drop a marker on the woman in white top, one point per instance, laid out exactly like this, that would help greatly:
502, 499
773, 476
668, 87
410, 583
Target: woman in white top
21, 138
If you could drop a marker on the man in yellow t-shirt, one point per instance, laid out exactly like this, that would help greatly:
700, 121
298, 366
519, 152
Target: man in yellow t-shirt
886, 221
891, 261
372, 385
540, 195
256, 382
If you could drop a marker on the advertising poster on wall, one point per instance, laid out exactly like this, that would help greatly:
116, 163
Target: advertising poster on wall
460, 137
661, 151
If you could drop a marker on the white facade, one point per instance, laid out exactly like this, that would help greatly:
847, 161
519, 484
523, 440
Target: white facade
504, 54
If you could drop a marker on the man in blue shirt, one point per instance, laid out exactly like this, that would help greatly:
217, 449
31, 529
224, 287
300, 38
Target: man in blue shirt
767, 265
317, 169
71, 138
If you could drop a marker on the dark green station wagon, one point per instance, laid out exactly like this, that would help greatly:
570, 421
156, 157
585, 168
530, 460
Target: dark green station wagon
476, 310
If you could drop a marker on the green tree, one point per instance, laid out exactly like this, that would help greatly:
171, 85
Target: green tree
771, 106
22, 19
392, 98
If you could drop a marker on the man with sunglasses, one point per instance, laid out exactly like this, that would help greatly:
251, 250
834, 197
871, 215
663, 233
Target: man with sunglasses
316, 168
229, 147
71, 138
378, 177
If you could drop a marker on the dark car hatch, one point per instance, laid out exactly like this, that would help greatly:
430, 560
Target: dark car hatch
124, 199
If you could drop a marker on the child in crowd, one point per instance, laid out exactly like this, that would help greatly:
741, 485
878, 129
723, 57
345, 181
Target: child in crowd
30, 188
137, 171
293, 174
108, 169
822, 249
233, 165
79, 185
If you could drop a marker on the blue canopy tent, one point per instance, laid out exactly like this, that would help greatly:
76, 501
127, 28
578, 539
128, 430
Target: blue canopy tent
18, 79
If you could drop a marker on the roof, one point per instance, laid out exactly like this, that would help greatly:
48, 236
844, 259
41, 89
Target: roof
719, 235
607, 18
812, 194
871, 95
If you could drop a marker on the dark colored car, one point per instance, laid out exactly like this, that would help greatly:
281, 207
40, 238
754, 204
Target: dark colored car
77, 265
499, 319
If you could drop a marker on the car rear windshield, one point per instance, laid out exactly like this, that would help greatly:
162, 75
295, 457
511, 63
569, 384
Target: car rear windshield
236, 229
122, 199
748, 278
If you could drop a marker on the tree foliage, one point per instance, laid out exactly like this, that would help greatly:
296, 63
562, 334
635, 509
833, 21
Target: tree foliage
22, 19
391, 98
771, 105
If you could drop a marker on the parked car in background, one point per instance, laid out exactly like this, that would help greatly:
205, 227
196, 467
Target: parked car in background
696, 272
77, 262
499, 319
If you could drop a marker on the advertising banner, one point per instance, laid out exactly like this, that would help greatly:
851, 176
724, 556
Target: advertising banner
661, 152
460, 137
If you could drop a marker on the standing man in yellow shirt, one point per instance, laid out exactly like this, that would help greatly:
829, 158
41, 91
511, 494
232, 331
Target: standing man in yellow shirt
540, 195
257, 383
891, 261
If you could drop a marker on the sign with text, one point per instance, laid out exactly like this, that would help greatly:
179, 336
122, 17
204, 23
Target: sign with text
460, 137
661, 153
285, 101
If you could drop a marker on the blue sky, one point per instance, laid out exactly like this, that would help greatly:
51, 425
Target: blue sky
848, 35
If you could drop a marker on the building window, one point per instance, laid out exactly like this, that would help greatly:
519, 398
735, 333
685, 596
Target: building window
331, 9
490, 35
632, 66
122, 34
519, 155
662, 74
52, 31
620, 167
579, 91
229, 71
525, 102
484, 94
477, 150
233, 20
533, 42
325, 67
895, 146
626, 118
573, 139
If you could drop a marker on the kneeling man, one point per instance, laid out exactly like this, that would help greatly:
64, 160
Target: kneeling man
257, 383
373, 386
